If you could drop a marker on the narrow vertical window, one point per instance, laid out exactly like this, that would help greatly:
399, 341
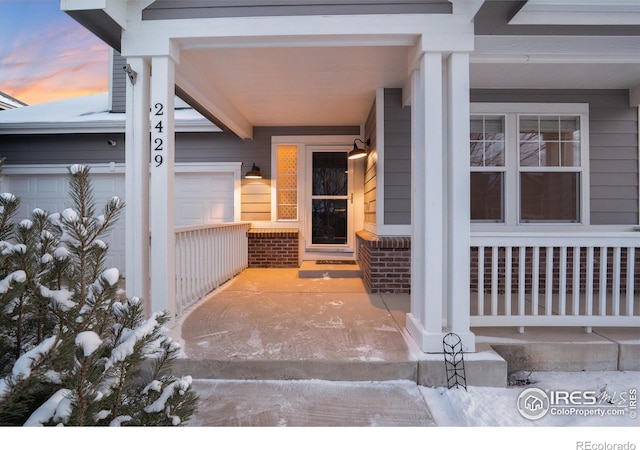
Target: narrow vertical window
487, 150
287, 182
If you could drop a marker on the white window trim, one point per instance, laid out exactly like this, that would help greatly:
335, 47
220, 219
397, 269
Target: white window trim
511, 112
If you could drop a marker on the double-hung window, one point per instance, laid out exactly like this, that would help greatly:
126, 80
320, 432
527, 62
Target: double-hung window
529, 163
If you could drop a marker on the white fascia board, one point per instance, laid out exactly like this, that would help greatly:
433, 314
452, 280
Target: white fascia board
560, 49
441, 32
578, 12
116, 9
187, 126
467, 8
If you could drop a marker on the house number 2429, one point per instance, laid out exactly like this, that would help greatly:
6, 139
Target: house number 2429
158, 142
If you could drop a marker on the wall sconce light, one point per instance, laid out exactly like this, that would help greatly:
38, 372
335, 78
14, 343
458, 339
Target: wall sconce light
358, 152
254, 172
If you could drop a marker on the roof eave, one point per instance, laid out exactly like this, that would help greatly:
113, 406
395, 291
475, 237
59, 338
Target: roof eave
101, 24
185, 126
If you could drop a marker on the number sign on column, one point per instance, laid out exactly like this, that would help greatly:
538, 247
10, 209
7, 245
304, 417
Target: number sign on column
158, 135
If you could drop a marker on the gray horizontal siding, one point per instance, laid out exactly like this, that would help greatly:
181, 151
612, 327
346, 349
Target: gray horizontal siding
62, 148
613, 146
118, 84
397, 159
191, 9
190, 147
371, 177
227, 147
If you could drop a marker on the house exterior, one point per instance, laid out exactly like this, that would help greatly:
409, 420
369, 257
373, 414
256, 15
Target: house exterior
500, 182
8, 102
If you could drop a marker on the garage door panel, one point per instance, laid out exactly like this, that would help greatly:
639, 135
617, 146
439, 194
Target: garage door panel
220, 211
50, 187
204, 198
200, 198
51, 193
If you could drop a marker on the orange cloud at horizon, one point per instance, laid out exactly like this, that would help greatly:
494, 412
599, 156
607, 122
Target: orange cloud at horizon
57, 86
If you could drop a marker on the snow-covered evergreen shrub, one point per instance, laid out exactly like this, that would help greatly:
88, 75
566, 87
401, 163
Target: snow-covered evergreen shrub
73, 350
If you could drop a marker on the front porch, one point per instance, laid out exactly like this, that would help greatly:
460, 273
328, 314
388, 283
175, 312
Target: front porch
271, 324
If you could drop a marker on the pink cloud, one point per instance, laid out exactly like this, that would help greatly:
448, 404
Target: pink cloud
58, 63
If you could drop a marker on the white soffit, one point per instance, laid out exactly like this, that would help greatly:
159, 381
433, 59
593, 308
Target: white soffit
578, 12
301, 86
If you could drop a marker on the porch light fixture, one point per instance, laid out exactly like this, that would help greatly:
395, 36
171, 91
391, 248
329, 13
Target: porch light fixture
254, 173
358, 152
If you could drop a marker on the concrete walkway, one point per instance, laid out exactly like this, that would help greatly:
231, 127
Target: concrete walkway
310, 403
257, 347
270, 324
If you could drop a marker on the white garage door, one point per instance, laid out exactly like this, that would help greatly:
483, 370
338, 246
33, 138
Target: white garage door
201, 198
204, 198
51, 193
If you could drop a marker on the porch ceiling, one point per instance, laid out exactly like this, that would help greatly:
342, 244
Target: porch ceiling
324, 86
299, 86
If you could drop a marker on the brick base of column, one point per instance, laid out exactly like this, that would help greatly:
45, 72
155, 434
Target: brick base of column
385, 262
273, 248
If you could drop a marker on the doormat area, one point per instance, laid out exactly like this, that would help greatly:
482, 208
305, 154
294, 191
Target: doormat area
336, 262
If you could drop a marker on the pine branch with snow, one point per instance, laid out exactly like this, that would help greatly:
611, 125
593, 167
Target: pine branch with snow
110, 364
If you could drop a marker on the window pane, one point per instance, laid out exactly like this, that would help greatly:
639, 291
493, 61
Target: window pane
330, 173
549, 141
550, 128
549, 196
571, 154
549, 154
487, 141
287, 182
486, 196
494, 154
570, 128
529, 125
329, 222
530, 153
477, 154
494, 128
477, 128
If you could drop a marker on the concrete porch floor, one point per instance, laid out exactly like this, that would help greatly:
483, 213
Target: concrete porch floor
270, 325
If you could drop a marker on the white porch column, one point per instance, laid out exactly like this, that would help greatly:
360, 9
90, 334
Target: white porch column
458, 237
163, 269
418, 288
137, 181
425, 322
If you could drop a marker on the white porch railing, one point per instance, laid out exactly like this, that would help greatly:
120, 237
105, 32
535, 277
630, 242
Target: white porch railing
206, 257
545, 279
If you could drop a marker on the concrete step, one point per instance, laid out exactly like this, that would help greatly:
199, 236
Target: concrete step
483, 368
330, 269
297, 370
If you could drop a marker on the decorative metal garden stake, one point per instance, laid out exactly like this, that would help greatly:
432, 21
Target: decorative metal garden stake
454, 361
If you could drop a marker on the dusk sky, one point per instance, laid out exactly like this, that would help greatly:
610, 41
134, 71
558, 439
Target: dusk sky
45, 55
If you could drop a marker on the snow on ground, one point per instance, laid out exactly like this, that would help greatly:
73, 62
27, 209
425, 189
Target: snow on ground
497, 407
481, 417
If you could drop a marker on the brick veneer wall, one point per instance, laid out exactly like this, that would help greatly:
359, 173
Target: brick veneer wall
273, 248
385, 262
